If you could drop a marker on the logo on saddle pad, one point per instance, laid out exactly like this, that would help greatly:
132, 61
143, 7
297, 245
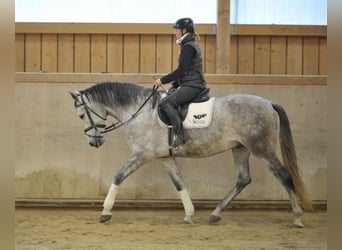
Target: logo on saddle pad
198, 115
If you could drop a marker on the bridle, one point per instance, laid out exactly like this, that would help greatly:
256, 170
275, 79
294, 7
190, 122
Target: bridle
111, 127
93, 125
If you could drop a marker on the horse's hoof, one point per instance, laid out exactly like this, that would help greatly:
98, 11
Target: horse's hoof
105, 218
298, 223
188, 220
214, 219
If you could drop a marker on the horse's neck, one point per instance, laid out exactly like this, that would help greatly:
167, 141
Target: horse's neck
122, 113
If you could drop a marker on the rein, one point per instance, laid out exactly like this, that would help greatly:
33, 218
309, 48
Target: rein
116, 125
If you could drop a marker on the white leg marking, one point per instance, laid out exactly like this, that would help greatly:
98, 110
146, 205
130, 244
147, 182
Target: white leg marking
216, 212
188, 206
187, 203
110, 199
296, 210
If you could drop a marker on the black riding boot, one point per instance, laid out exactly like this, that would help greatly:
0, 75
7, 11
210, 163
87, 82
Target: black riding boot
176, 124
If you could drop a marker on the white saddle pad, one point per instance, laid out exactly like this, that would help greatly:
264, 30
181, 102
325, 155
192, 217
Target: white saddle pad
199, 115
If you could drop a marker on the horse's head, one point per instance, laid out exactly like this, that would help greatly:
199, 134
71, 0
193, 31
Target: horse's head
93, 116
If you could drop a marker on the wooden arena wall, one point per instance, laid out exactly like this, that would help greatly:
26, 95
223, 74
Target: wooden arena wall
151, 48
55, 166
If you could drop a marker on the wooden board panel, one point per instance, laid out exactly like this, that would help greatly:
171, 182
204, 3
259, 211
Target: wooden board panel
65, 53
278, 55
153, 28
131, 54
148, 54
20, 52
98, 54
164, 53
223, 37
115, 53
246, 55
33, 53
322, 56
233, 55
278, 30
294, 62
310, 53
105, 28
49, 52
175, 54
235, 79
210, 55
82, 53
201, 44
262, 55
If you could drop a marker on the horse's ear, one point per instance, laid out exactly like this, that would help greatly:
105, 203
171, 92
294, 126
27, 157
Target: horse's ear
73, 95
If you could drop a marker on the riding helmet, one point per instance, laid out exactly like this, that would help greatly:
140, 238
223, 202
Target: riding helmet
184, 23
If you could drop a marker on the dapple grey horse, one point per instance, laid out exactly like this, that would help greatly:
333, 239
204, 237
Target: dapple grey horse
245, 124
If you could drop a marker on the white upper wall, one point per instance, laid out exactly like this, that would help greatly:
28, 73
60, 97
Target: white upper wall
307, 12
114, 11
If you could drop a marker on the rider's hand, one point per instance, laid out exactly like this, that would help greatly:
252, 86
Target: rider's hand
157, 83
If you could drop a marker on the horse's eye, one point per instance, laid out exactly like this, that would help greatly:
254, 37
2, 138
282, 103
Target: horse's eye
81, 116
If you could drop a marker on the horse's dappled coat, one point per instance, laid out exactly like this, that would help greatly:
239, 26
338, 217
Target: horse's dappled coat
245, 124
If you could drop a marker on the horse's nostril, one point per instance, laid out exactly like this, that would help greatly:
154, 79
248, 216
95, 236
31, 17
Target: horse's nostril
95, 144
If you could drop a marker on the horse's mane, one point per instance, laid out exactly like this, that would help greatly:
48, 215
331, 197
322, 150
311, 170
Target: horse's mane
116, 93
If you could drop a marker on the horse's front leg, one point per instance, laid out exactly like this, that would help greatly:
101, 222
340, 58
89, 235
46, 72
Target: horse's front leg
134, 162
173, 171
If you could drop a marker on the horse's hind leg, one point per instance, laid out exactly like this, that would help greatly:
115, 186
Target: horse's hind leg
241, 160
173, 171
284, 178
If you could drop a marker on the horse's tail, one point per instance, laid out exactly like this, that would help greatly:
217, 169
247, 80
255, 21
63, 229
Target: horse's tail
288, 152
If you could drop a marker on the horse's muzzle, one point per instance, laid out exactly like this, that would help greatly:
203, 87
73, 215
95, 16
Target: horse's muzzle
96, 142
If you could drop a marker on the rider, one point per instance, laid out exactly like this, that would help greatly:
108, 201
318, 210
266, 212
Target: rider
188, 79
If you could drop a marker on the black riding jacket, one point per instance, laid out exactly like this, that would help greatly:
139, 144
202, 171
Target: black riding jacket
190, 67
